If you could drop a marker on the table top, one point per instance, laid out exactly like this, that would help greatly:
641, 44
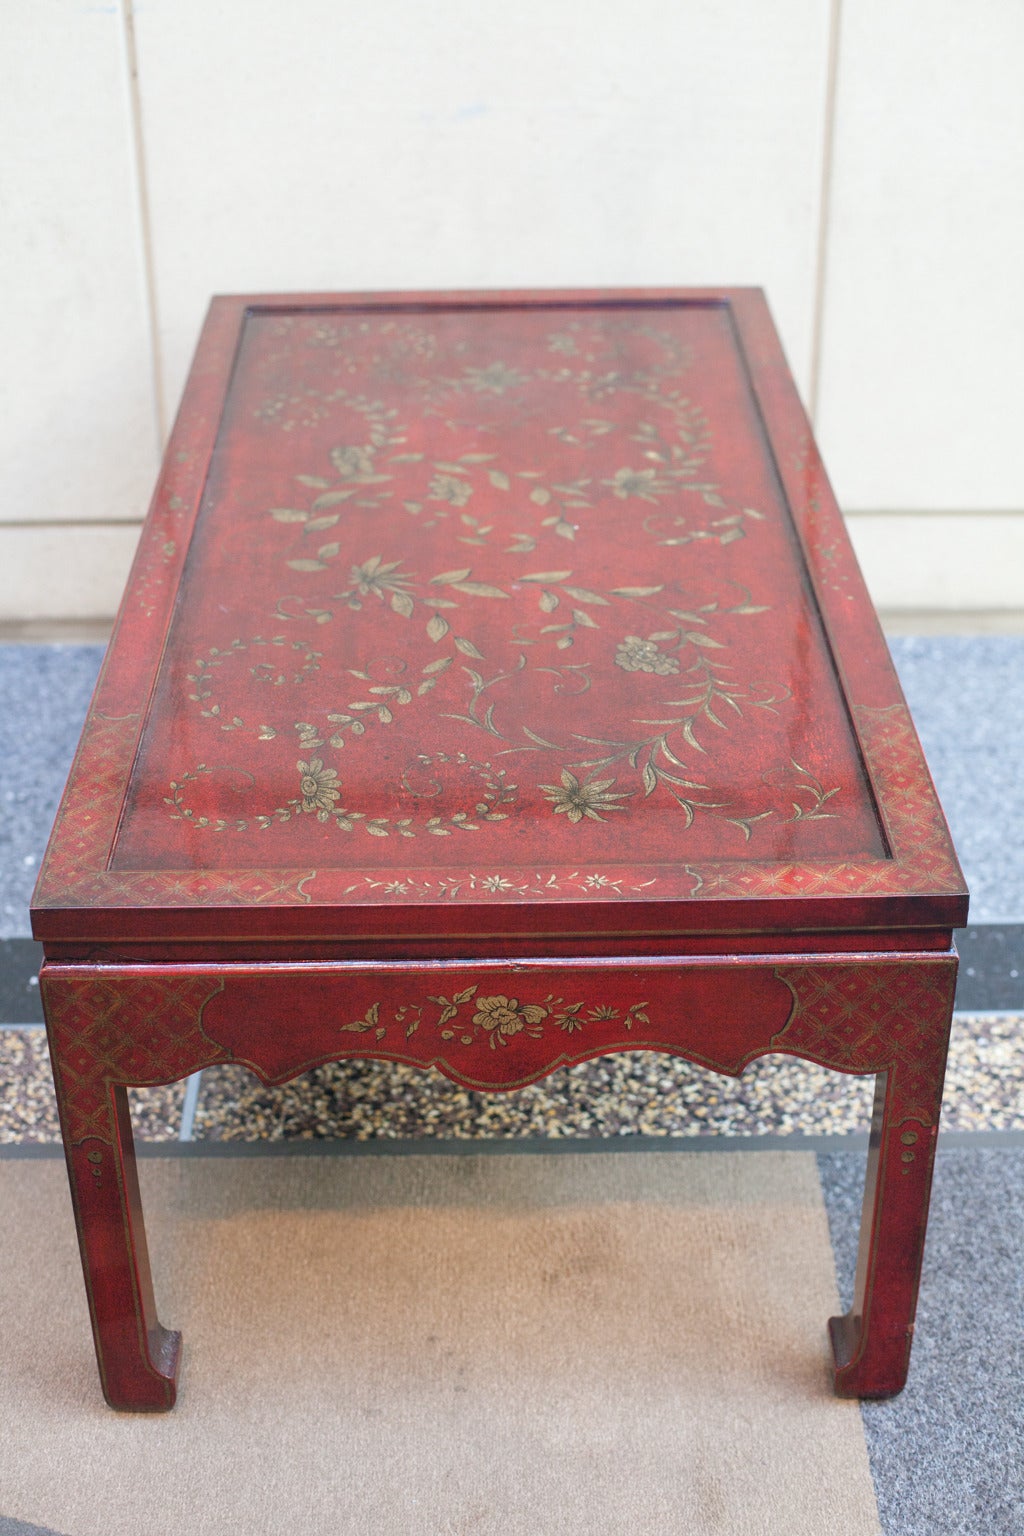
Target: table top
490, 615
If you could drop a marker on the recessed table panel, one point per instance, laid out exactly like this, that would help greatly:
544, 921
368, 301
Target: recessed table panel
521, 579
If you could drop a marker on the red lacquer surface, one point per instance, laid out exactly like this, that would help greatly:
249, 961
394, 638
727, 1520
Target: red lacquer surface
495, 688
492, 603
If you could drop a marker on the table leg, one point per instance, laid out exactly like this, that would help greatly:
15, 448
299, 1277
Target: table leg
138, 1358
871, 1343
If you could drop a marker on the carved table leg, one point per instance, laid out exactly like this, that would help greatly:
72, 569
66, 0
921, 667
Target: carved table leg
138, 1358
871, 1343
109, 1026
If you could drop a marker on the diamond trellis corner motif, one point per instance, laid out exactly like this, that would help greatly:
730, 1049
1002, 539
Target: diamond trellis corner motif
870, 1018
133, 1030
87, 819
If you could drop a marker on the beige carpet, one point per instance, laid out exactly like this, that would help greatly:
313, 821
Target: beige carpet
584, 1343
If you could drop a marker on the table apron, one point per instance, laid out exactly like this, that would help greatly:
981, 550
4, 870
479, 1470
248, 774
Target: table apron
491, 1025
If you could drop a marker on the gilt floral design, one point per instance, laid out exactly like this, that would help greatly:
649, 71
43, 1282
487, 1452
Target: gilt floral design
376, 578
318, 787
505, 1015
589, 798
350, 462
450, 488
636, 655
643, 483
517, 640
496, 1019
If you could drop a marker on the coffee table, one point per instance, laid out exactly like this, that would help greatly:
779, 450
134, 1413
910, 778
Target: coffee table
495, 688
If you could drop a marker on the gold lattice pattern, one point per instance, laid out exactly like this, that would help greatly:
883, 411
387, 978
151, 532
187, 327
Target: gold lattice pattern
867, 1018
133, 1029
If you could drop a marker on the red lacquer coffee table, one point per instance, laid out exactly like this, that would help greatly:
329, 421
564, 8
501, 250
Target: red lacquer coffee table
495, 688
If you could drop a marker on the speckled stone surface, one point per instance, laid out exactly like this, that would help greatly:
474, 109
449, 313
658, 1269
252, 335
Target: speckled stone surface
966, 694
629, 1094
635, 1093
622, 1095
28, 1108
44, 693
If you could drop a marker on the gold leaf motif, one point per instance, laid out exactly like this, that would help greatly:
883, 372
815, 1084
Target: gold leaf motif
370, 1021
478, 589
581, 595
331, 499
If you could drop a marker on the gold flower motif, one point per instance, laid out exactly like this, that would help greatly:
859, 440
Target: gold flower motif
636, 655
451, 489
377, 576
643, 483
350, 462
504, 1017
578, 800
318, 787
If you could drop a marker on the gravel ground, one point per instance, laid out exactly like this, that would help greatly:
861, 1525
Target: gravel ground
634, 1093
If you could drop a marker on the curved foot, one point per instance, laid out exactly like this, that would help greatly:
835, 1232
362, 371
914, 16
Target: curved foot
138, 1358
146, 1385
862, 1370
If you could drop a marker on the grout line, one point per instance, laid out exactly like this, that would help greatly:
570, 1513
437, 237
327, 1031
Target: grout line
145, 220
65, 524
971, 512
942, 624
55, 632
825, 209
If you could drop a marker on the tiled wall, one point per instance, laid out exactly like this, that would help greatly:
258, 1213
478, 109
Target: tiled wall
862, 160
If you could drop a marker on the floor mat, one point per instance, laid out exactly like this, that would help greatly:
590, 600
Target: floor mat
574, 1343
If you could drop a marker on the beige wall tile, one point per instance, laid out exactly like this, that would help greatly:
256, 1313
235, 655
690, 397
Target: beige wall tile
553, 142
916, 561
77, 427
922, 385
64, 573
